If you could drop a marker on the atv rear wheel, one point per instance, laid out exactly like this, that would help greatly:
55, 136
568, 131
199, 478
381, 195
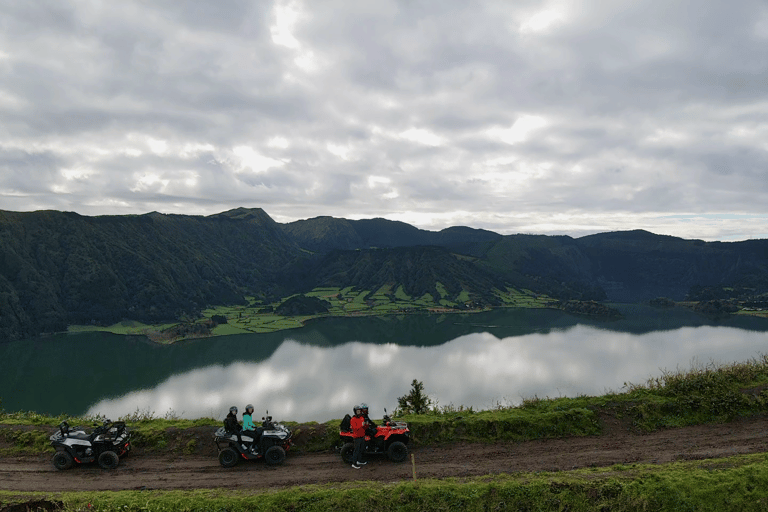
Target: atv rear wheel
274, 455
397, 451
108, 460
228, 457
348, 452
62, 460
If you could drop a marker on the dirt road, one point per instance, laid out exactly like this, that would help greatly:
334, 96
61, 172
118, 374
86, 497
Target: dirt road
617, 445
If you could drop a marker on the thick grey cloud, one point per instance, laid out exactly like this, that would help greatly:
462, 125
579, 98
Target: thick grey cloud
537, 116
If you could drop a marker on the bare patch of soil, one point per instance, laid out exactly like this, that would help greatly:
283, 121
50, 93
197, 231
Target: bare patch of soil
175, 469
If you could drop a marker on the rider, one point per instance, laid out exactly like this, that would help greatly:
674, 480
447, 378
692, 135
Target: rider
358, 434
249, 428
231, 424
370, 426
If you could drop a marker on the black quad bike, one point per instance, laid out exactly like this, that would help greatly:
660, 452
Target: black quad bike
105, 445
272, 441
390, 438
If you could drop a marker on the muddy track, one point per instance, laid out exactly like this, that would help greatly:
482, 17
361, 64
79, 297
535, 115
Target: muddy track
617, 445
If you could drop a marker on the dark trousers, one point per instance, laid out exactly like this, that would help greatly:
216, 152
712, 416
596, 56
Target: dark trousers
251, 433
357, 455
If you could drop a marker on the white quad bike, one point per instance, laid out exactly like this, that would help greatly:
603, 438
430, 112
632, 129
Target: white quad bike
272, 441
105, 445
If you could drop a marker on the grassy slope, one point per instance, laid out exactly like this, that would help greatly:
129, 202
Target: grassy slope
736, 483
701, 395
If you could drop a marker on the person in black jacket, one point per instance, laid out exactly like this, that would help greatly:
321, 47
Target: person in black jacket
230, 422
232, 426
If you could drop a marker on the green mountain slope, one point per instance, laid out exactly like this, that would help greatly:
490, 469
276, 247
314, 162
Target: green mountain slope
59, 268
418, 270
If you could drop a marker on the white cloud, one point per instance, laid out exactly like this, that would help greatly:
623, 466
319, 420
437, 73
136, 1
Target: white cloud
191, 149
76, 174
543, 20
521, 130
253, 161
159, 147
278, 142
585, 115
422, 136
150, 181
339, 150
286, 15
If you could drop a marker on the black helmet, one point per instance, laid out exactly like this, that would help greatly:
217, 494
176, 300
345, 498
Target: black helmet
357, 408
249, 408
364, 407
233, 409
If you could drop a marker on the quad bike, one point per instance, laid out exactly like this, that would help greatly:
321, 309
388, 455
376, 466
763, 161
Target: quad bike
390, 438
274, 441
105, 445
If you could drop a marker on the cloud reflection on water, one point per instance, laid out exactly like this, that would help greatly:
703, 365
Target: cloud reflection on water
303, 382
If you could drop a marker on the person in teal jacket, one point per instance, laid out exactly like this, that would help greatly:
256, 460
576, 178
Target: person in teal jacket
249, 427
248, 418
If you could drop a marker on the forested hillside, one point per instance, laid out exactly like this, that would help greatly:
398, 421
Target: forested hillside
61, 268
620, 266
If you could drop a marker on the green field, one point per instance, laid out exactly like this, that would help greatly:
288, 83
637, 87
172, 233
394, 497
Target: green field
258, 317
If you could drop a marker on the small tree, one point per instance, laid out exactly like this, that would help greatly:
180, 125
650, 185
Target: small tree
415, 402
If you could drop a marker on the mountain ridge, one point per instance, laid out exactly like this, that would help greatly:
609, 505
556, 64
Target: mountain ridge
61, 268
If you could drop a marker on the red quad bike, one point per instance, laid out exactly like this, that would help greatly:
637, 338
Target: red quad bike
391, 438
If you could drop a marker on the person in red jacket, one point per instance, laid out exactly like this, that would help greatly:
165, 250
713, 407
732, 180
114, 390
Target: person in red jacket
357, 423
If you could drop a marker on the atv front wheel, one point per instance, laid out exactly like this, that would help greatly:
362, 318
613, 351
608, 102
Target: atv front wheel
397, 451
348, 452
228, 457
108, 460
62, 460
274, 455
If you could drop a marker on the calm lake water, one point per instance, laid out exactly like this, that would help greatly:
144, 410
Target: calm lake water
320, 371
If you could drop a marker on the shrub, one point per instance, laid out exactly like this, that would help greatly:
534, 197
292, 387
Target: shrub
415, 402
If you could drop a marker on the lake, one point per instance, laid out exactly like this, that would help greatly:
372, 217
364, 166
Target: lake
320, 371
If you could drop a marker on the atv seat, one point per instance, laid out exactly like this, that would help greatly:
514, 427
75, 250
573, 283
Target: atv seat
78, 434
345, 423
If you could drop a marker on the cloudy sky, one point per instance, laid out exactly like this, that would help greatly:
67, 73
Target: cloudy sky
548, 116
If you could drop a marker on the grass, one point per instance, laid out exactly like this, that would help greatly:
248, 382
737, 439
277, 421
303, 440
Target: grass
147, 430
734, 483
256, 317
